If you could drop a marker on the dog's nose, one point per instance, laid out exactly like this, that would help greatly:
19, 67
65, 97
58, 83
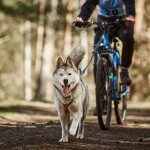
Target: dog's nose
65, 81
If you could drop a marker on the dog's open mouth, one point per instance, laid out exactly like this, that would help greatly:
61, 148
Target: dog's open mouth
65, 88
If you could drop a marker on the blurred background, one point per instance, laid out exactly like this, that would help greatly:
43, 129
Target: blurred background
34, 32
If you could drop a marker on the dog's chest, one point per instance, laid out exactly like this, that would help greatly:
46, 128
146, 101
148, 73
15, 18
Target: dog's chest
70, 104
73, 107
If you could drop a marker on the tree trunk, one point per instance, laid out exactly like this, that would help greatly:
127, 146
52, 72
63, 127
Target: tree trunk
48, 54
43, 90
139, 16
40, 36
68, 31
28, 84
84, 43
39, 46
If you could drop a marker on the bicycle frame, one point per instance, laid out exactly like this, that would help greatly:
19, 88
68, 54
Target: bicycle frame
113, 56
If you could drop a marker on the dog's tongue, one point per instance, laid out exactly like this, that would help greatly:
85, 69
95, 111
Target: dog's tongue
65, 89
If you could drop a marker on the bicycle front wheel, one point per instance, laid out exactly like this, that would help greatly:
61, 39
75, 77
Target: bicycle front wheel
121, 107
103, 93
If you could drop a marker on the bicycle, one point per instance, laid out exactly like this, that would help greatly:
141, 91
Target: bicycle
108, 85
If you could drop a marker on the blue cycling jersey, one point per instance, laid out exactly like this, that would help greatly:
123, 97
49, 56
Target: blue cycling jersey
110, 8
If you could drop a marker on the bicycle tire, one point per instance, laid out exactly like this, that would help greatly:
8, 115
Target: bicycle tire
103, 102
121, 109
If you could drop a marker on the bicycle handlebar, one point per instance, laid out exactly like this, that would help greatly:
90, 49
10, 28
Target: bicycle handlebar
84, 24
103, 24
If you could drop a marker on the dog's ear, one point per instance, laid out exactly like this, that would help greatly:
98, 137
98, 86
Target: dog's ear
70, 62
59, 62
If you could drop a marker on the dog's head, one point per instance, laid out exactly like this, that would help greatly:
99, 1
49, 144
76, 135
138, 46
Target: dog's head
66, 75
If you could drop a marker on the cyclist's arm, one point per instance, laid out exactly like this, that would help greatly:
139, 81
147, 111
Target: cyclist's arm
87, 9
130, 7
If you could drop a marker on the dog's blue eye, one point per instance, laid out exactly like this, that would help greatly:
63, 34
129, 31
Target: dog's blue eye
69, 74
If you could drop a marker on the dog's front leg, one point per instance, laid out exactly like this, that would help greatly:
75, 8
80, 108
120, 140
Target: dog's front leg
64, 126
64, 120
80, 134
75, 122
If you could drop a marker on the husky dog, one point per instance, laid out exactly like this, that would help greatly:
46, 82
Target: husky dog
70, 94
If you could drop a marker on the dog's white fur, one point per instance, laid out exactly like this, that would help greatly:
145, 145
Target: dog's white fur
70, 94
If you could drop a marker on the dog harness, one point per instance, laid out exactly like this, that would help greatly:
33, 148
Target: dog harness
69, 104
67, 101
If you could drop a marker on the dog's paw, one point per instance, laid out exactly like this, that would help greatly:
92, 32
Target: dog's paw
74, 127
63, 140
72, 131
80, 136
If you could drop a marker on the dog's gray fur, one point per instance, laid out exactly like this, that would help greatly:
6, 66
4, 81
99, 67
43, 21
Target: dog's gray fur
70, 94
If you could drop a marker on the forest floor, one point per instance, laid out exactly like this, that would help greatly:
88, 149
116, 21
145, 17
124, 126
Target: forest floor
35, 126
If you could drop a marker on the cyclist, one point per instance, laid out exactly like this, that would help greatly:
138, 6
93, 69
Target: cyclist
110, 10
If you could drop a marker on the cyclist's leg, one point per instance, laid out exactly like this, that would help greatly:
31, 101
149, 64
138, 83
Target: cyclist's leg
98, 34
126, 35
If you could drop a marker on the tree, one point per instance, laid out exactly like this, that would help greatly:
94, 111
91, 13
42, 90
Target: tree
39, 46
68, 30
28, 84
43, 86
139, 16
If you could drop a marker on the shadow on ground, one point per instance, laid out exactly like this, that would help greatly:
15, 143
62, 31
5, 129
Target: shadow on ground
30, 110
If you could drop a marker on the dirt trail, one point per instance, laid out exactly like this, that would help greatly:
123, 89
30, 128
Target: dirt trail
43, 134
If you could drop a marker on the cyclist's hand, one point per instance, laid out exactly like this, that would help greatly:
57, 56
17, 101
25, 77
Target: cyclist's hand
78, 22
130, 20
